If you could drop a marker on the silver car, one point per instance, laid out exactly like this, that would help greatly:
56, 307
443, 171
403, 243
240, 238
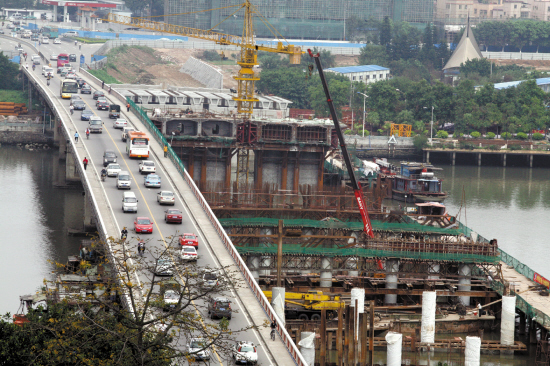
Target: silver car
166, 197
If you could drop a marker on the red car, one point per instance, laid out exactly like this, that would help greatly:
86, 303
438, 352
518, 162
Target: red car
173, 215
190, 240
143, 225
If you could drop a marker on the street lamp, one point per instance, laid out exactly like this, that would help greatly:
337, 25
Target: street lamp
172, 139
365, 96
431, 124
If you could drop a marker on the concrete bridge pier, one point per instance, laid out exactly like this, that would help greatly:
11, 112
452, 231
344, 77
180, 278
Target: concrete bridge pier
453, 158
253, 264
464, 281
479, 159
504, 160
530, 160
427, 159
63, 146
392, 266
89, 219
71, 173
326, 272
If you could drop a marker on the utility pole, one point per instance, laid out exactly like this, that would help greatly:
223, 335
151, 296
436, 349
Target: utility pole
365, 96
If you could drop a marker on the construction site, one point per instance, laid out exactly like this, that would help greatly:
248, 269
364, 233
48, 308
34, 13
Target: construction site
348, 274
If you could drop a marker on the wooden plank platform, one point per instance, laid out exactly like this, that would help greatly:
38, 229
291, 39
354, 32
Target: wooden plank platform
457, 344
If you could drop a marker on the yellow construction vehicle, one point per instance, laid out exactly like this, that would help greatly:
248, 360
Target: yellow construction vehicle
308, 305
249, 50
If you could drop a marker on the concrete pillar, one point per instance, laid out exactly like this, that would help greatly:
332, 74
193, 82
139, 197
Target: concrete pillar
89, 219
508, 320
92, 20
454, 158
71, 173
62, 148
427, 327
504, 160
307, 347
479, 159
278, 302
83, 19
531, 161
265, 260
392, 266
54, 13
472, 351
394, 349
253, 264
353, 266
65, 15
427, 157
326, 272
464, 270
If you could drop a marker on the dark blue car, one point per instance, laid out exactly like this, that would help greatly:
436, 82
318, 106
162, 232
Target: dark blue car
85, 115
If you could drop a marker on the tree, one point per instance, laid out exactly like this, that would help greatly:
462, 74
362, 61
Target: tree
9, 71
270, 61
480, 66
339, 87
289, 83
373, 119
386, 32
373, 55
96, 325
405, 117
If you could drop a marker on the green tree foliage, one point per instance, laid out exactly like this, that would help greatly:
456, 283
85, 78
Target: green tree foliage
270, 61
339, 87
481, 66
373, 54
9, 72
442, 134
289, 83
420, 142
386, 32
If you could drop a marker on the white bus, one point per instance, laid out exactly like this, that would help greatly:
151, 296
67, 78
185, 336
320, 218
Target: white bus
137, 145
68, 88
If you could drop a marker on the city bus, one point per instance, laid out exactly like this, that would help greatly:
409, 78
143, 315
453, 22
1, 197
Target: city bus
62, 59
137, 144
68, 88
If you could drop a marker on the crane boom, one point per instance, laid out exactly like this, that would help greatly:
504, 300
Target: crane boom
249, 50
367, 227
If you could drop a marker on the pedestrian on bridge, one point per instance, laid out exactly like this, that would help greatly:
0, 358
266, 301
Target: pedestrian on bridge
128, 107
76, 137
165, 150
102, 84
85, 162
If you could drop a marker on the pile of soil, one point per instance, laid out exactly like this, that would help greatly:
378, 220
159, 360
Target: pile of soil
541, 65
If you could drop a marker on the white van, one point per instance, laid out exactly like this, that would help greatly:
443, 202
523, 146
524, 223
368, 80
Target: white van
123, 180
129, 202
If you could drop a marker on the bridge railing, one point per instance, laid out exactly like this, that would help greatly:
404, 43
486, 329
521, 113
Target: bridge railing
253, 285
86, 184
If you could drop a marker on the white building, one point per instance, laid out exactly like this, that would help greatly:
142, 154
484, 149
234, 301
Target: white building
21, 14
365, 73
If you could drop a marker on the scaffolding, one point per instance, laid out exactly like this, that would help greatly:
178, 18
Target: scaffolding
296, 19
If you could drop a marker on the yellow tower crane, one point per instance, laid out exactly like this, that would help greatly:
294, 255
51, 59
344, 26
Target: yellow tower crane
249, 50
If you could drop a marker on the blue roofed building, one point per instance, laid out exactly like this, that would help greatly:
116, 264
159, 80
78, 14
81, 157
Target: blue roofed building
365, 73
543, 83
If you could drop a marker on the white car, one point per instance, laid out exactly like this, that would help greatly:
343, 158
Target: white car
125, 131
45, 40
245, 353
147, 166
70, 76
53, 57
197, 348
210, 279
57, 41
188, 254
120, 123
171, 299
113, 170
166, 197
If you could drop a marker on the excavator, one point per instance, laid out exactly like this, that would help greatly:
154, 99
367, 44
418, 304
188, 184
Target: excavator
308, 306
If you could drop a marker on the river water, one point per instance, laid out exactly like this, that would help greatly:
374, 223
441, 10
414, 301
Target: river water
510, 204
34, 218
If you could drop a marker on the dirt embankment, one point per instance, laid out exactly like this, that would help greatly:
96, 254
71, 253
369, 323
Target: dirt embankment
536, 64
140, 65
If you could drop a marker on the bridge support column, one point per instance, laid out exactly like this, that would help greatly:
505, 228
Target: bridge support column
253, 264
326, 272
392, 267
427, 327
89, 220
454, 158
65, 14
464, 281
54, 17
307, 347
57, 134
278, 302
479, 159
508, 321
532, 331
63, 146
531, 161
433, 269
71, 173
427, 157
504, 160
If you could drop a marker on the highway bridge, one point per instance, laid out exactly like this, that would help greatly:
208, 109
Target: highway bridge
103, 206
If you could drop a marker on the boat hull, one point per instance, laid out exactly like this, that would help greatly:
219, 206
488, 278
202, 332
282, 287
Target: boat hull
418, 197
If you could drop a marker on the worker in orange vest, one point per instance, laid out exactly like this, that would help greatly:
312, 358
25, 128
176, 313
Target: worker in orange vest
128, 107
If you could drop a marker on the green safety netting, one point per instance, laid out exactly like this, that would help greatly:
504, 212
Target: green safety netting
409, 227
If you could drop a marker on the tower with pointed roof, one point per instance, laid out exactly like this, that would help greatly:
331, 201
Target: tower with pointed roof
467, 49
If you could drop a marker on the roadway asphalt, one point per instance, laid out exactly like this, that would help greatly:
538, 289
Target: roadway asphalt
110, 139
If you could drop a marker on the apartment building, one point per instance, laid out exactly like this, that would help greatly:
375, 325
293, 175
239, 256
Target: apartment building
456, 12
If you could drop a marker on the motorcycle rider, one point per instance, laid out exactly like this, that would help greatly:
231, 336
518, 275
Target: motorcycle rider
124, 233
141, 247
87, 133
103, 173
